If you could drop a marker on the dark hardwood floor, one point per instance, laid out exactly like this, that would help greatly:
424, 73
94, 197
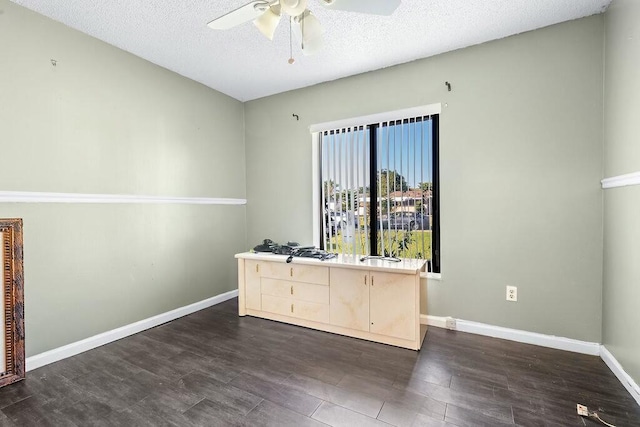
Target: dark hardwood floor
214, 368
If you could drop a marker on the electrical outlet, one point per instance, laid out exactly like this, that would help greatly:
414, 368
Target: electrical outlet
582, 410
451, 323
512, 293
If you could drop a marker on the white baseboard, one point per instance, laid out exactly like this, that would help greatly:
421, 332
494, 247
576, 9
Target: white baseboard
561, 343
617, 369
551, 341
517, 335
86, 344
437, 321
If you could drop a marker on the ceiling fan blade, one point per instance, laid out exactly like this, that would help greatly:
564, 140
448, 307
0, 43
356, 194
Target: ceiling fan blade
268, 22
373, 7
239, 16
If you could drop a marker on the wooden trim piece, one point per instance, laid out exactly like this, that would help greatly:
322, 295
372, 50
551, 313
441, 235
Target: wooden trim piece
13, 300
621, 180
38, 197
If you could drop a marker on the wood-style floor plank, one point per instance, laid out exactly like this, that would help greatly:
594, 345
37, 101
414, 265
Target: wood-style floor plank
215, 368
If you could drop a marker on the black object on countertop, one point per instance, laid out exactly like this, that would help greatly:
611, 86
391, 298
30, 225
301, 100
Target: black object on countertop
293, 249
267, 245
382, 258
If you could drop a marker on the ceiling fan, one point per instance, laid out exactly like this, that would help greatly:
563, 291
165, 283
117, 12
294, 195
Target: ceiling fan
266, 15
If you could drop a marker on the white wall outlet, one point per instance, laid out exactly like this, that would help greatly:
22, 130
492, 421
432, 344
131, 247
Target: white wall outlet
451, 323
512, 293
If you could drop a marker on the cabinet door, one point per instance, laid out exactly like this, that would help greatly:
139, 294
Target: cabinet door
349, 298
252, 284
393, 305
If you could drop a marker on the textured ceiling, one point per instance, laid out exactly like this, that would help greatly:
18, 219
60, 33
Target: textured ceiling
242, 63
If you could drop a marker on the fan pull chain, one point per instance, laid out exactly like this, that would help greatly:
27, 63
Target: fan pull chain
291, 60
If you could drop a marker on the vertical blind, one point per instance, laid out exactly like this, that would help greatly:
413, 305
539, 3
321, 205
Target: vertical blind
378, 188
345, 155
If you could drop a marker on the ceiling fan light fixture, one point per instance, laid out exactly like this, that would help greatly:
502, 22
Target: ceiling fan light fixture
266, 15
293, 7
308, 31
313, 46
268, 22
311, 28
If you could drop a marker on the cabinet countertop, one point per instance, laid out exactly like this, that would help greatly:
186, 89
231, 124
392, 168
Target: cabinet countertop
407, 265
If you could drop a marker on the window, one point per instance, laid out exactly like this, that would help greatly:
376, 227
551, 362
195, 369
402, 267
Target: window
379, 186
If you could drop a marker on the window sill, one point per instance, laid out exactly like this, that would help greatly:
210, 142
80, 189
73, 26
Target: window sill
431, 276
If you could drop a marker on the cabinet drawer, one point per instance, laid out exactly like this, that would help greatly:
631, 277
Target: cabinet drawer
298, 291
311, 311
277, 305
299, 309
298, 273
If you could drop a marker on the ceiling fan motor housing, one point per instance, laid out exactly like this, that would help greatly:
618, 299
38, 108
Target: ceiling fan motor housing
266, 14
293, 7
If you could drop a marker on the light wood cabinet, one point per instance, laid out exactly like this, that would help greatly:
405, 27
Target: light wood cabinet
368, 300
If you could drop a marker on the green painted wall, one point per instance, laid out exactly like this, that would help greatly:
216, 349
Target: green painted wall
621, 288
521, 161
105, 121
